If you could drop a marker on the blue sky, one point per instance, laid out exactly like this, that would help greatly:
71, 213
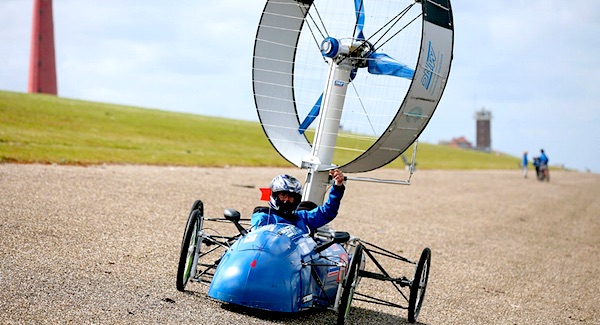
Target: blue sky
533, 64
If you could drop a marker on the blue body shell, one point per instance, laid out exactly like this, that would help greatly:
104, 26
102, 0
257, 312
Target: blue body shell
271, 268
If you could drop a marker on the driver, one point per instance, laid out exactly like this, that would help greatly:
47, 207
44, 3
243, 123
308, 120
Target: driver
286, 193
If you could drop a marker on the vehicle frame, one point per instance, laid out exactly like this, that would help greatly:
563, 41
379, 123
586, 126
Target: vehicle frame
203, 247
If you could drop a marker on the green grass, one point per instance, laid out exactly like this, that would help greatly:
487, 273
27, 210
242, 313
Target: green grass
37, 128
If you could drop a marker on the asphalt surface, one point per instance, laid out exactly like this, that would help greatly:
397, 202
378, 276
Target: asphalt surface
101, 244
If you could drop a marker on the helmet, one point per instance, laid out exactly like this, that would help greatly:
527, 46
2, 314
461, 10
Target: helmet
289, 184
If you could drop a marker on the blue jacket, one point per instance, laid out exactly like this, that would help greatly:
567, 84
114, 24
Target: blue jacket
306, 220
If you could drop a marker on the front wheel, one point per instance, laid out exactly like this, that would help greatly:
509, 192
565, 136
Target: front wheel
418, 286
190, 246
350, 284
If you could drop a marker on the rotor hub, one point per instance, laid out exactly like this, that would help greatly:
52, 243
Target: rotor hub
355, 51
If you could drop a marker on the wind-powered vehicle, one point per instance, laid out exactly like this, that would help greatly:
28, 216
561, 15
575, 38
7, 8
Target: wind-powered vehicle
366, 119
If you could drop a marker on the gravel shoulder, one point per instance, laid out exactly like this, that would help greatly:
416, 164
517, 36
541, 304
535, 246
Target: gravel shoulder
100, 244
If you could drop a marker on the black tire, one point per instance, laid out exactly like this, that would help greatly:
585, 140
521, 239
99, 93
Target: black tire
197, 205
350, 284
190, 246
419, 285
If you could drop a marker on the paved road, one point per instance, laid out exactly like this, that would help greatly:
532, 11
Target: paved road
100, 244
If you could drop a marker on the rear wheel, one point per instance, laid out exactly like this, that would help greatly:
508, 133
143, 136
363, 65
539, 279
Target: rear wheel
543, 174
190, 246
350, 284
418, 286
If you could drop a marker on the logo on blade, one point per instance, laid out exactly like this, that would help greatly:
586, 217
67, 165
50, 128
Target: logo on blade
429, 67
414, 114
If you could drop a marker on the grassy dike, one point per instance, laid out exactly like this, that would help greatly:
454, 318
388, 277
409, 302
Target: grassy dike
37, 128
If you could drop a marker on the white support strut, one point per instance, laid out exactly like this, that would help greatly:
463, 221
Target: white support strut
327, 131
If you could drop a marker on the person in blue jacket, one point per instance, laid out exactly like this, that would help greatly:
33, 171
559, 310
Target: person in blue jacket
543, 158
286, 195
525, 164
541, 166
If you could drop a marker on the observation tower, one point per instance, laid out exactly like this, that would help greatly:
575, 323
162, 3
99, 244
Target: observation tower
42, 66
484, 138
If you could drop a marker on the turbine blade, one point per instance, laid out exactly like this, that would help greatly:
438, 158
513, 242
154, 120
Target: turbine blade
312, 115
360, 19
381, 63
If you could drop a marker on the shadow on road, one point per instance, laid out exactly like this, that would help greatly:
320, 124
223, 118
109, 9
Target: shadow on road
358, 315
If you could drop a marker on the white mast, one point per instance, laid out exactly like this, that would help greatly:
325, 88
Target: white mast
321, 160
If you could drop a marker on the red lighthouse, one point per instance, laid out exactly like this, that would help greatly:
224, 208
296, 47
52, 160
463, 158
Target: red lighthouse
42, 67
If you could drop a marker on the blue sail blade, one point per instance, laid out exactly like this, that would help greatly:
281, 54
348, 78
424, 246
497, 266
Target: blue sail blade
360, 18
381, 63
353, 73
312, 115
